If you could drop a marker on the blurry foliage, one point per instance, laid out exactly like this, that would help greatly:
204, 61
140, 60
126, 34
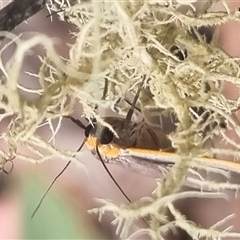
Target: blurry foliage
54, 220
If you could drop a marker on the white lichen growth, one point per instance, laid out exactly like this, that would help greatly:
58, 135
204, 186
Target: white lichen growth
116, 45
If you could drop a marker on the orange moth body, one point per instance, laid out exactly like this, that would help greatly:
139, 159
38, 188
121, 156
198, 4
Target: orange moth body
128, 150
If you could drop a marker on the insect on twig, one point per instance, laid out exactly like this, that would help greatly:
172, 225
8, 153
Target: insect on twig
103, 136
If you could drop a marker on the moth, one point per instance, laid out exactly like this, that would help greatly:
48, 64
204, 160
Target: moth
146, 150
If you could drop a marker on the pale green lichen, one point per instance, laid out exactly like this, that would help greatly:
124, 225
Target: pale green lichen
120, 43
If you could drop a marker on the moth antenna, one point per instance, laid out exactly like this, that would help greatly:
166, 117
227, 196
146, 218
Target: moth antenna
105, 90
113, 179
129, 103
111, 176
131, 110
80, 124
44, 195
76, 121
53, 13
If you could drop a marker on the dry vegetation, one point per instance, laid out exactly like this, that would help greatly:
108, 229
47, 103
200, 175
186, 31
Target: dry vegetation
120, 43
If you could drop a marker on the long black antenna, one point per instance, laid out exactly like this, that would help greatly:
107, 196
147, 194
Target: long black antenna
131, 110
111, 176
126, 122
44, 195
79, 123
63, 170
113, 179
